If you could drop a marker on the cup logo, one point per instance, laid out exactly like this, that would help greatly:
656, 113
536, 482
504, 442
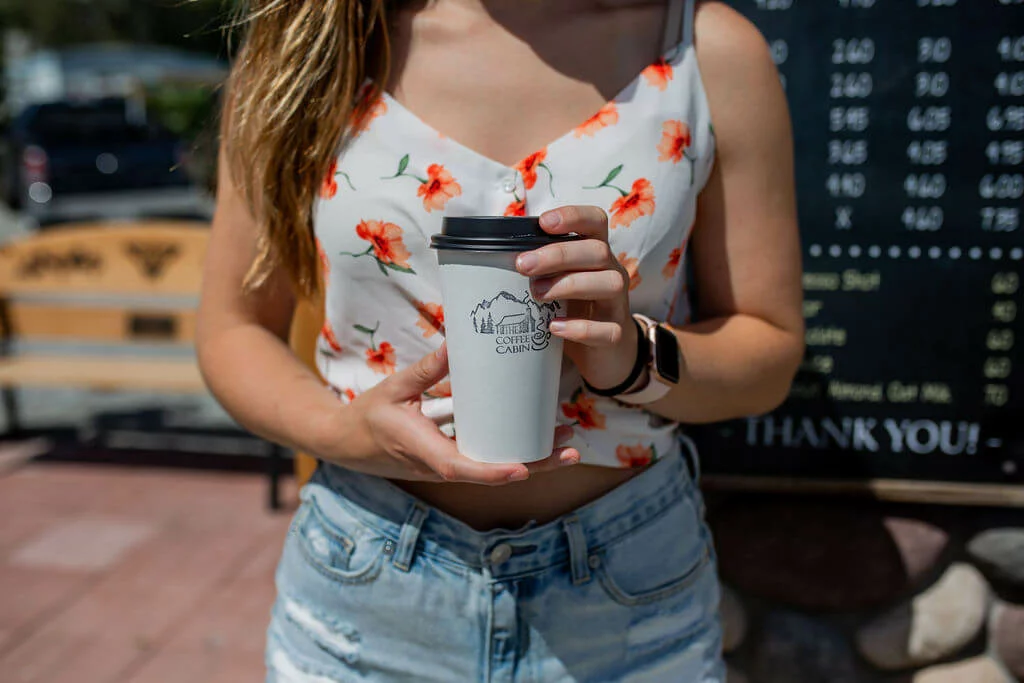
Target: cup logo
518, 325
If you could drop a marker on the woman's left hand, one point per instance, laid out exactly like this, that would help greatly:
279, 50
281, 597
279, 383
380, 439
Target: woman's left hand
599, 330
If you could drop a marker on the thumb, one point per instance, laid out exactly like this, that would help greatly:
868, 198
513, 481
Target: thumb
411, 382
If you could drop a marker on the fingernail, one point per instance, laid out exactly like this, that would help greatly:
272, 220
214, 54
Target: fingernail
557, 326
526, 262
519, 475
551, 219
567, 459
439, 354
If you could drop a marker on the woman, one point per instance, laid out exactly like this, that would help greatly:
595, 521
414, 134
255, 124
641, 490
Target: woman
352, 127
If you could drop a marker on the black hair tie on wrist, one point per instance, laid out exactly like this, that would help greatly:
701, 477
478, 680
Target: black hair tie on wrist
643, 352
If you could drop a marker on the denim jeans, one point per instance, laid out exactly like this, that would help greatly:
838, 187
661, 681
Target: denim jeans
374, 585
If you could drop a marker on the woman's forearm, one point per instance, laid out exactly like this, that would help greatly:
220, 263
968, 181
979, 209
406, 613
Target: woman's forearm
732, 367
268, 390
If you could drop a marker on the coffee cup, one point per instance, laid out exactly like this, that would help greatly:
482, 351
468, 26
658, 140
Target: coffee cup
504, 362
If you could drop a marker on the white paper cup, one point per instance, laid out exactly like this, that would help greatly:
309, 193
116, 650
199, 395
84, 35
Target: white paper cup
504, 362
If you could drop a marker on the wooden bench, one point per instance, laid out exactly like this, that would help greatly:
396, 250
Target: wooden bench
104, 307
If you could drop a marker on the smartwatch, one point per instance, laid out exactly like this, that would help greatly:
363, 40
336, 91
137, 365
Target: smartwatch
664, 364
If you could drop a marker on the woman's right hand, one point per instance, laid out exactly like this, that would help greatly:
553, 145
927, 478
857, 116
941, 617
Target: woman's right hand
384, 433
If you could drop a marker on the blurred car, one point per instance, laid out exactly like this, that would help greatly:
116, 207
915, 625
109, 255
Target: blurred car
74, 161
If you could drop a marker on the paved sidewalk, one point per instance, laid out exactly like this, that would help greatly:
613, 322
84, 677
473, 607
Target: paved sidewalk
115, 575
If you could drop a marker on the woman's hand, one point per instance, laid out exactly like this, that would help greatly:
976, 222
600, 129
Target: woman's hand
386, 434
601, 334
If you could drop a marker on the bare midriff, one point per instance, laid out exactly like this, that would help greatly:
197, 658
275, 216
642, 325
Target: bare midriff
541, 498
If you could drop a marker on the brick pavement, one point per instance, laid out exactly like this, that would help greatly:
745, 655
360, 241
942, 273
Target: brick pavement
116, 575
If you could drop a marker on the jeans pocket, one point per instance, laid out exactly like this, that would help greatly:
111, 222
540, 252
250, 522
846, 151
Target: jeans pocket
338, 545
657, 560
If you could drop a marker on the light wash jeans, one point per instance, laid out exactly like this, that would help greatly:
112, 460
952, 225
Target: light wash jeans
376, 586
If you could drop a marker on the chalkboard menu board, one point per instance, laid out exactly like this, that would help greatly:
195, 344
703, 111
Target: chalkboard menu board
908, 120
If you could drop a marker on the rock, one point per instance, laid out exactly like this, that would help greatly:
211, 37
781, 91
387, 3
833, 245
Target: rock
798, 649
734, 620
919, 544
935, 625
977, 670
734, 675
822, 555
999, 553
1008, 638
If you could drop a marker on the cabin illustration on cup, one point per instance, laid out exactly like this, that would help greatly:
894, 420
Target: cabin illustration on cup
507, 314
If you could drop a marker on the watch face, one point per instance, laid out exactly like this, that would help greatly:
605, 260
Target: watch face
666, 350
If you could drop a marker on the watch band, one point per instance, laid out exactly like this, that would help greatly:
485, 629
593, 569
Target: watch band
656, 387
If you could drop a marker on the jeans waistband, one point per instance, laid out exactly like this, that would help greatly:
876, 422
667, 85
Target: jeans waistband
416, 527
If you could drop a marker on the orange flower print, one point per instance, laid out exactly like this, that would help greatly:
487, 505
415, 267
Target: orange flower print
658, 74
669, 271
440, 390
368, 107
346, 395
379, 358
327, 332
431, 319
329, 188
528, 169
436, 189
582, 409
635, 456
516, 208
675, 141
639, 201
382, 359
631, 265
608, 116
386, 246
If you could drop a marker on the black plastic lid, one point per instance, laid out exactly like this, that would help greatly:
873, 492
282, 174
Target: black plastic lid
494, 233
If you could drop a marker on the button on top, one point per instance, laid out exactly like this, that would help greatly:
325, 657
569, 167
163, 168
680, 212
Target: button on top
501, 553
509, 185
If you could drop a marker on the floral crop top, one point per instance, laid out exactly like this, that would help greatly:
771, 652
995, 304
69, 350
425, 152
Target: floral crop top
644, 157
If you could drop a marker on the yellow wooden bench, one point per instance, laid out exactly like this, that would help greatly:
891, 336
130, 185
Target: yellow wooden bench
106, 307
306, 324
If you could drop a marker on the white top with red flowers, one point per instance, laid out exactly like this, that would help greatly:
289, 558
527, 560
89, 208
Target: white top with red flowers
645, 157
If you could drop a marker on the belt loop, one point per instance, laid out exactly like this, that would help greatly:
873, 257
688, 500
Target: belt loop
578, 561
691, 456
409, 535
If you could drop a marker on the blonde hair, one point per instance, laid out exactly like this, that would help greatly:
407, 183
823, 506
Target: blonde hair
295, 88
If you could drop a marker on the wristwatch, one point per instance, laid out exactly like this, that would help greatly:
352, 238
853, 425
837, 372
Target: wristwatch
663, 364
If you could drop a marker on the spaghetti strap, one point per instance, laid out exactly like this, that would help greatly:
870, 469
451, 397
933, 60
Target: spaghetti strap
674, 17
688, 21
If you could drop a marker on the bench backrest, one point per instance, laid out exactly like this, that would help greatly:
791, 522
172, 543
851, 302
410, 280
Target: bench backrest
105, 283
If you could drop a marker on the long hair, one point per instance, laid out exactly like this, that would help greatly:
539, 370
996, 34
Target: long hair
296, 87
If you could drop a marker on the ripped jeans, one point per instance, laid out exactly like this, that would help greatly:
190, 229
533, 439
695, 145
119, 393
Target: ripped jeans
376, 586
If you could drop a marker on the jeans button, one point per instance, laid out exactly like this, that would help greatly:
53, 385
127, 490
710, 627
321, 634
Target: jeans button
501, 553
